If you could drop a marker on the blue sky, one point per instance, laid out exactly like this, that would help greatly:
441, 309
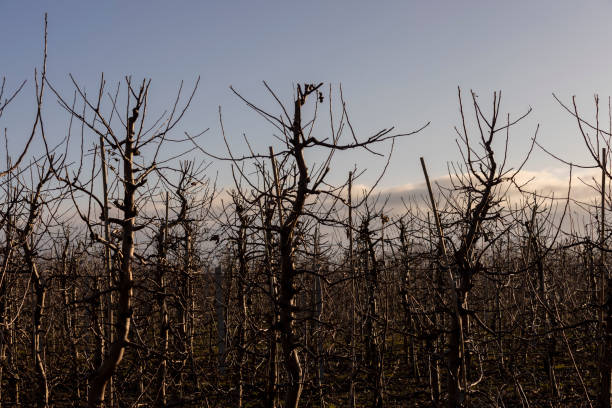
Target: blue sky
399, 63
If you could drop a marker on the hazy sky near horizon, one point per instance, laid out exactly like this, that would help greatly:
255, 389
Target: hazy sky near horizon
399, 63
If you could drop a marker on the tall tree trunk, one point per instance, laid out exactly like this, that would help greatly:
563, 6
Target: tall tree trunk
108, 367
373, 337
605, 392
605, 367
68, 298
220, 309
37, 330
108, 301
352, 393
287, 317
272, 381
242, 305
161, 397
318, 315
5, 329
456, 354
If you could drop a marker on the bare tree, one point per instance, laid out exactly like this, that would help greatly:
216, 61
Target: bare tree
597, 142
479, 202
294, 184
126, 142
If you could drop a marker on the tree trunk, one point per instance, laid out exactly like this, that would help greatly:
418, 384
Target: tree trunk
242, 306
37, 330
161, 397
272, 381
605, 390
106, 370
287, 316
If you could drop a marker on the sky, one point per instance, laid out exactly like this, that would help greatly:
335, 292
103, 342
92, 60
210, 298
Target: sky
399, 64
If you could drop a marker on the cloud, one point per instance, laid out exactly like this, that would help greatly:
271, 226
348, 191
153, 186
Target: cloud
553, 183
